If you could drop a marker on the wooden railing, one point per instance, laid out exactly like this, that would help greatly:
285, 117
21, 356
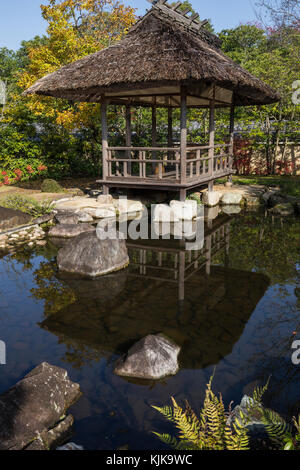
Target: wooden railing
162, 163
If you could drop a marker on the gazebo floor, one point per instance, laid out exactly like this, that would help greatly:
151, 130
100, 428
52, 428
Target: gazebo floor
168, 184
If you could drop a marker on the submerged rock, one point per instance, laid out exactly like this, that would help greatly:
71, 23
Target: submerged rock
89, 256
36, 405
252, 413
70, 230
153, 357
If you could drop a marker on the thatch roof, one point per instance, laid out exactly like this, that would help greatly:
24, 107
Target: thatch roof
159, 54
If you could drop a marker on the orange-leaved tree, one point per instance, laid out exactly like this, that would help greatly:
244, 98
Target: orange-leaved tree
76, 28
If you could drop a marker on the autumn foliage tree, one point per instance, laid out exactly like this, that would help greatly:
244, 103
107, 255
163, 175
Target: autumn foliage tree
76, 28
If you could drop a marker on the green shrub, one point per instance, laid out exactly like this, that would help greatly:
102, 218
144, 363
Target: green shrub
51, 186
195, 197
27, 205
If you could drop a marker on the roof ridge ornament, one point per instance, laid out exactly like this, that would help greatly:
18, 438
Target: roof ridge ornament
176, 14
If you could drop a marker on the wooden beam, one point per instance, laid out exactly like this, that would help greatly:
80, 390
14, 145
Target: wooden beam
183, 134
177, 5
104, 139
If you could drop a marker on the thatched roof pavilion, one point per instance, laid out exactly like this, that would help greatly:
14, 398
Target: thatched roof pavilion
168, 59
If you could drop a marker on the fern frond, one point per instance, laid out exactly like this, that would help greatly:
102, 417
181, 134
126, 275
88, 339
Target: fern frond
167, 439
276, 427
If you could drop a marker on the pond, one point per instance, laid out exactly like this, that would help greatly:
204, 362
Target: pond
235, 314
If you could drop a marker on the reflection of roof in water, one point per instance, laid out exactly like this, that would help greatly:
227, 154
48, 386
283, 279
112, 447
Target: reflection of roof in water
207, 325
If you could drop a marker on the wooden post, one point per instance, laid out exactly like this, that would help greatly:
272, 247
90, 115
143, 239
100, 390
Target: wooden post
104, 144
128, 135
183, 135
170, 127
170, 130
154, 131
231, 138
211, 152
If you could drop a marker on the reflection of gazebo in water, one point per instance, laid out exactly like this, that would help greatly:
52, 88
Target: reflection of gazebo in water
167, 60
172, 263
218, 303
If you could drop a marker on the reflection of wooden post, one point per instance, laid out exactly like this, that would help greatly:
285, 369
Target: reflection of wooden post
154, 132
181, 276
227, 239
208, 254
231, 139
128, 135
183, 135
211, 152
104, 144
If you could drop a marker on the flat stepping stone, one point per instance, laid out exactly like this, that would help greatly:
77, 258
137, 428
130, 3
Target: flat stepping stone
70, 230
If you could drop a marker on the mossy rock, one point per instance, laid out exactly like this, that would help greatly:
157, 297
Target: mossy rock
51, 186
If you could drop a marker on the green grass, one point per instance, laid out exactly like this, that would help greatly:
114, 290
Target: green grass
289, 185
27, 205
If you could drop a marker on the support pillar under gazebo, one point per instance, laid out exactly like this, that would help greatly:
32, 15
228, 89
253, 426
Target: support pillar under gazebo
211, 152
104, 145
183, 140
231, 138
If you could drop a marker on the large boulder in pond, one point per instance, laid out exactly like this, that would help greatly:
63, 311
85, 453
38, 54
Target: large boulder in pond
91, 256
35, 405
70, 230
10, 218
153, 357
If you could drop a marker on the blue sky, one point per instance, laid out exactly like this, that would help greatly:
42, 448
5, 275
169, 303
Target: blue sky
21, 19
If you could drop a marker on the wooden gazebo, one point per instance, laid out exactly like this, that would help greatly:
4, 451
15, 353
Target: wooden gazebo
168, 59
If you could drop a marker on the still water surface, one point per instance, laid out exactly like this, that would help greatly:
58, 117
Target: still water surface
235, 311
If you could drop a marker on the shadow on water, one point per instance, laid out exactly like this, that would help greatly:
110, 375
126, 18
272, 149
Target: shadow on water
206, 324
